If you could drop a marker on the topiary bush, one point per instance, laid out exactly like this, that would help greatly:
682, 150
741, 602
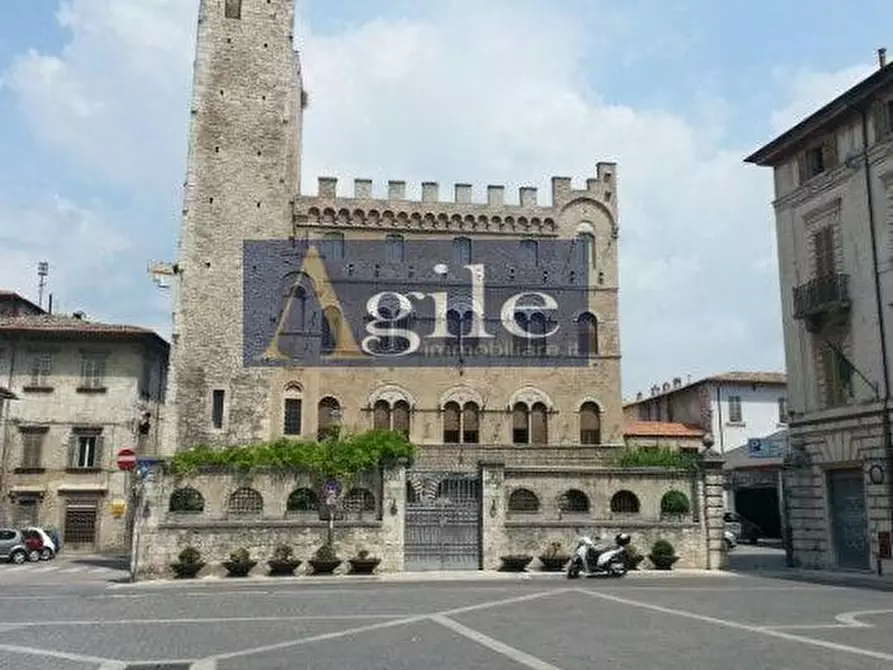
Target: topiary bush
675, 503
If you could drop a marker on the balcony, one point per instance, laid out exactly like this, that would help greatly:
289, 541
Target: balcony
822, 297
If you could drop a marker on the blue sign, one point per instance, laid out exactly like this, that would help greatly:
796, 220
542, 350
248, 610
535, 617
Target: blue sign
333, 487
760, 448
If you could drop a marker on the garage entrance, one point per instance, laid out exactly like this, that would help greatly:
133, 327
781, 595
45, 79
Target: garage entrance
760, 505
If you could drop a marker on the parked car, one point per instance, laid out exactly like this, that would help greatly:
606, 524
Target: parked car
730, 540
742, 528
47, 548
12, 546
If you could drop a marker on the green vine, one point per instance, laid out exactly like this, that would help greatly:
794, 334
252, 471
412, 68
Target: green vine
659, 458
339, 456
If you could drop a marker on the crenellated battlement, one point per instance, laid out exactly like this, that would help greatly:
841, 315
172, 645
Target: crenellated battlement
489, 214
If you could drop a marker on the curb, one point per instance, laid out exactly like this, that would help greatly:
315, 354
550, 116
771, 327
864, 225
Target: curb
825, 578
407, 578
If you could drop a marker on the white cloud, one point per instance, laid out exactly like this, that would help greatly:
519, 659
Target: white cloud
496, 92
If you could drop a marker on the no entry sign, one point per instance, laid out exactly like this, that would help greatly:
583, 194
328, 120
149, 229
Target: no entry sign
126, 459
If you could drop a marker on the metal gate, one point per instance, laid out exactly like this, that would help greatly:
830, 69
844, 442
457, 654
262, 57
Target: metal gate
849, 527
443, 521
80, 525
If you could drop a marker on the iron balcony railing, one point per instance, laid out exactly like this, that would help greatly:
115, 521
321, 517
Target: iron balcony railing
822, 294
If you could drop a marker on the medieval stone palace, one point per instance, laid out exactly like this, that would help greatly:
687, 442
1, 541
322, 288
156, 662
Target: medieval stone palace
296, 312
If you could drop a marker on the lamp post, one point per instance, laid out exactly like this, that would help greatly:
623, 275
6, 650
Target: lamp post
332, 492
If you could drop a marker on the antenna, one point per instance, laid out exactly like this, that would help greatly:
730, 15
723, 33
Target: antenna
43, 269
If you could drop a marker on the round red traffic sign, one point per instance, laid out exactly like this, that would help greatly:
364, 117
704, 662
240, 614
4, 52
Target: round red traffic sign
126, 459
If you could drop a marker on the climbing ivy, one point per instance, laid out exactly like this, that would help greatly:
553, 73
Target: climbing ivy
339, 456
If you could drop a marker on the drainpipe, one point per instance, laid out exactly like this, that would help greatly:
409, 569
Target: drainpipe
722, 442
4, 436
885, 416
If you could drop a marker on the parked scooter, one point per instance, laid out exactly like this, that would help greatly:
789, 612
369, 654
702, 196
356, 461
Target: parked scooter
591, 559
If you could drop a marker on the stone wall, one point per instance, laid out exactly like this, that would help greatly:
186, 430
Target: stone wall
217, 530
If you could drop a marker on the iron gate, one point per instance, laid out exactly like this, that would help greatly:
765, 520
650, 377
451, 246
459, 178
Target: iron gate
443, 521
849, 531
80, 525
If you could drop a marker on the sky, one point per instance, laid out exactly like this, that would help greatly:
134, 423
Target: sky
94, 99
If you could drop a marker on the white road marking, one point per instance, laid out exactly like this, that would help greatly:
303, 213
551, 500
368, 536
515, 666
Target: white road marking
30, 651
113, 665
161, 622
744, 626
204, 664
516, 655
375, 626
850, 618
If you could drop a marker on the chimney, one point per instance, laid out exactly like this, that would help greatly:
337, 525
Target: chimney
882, 57
639, 395
50, 306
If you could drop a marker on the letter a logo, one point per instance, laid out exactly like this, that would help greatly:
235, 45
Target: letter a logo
345, 344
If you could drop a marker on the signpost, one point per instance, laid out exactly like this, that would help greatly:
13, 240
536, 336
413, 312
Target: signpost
332, 489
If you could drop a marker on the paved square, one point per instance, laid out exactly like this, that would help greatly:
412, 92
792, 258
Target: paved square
544, 623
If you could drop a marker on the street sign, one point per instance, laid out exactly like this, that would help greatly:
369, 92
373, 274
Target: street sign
761, 448
126, 459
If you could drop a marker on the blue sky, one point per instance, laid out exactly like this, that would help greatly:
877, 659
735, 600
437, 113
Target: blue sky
94, 94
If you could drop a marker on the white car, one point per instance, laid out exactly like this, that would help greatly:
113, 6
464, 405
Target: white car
730, 540
49, 547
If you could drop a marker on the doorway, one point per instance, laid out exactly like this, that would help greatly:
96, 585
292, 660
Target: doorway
849, 523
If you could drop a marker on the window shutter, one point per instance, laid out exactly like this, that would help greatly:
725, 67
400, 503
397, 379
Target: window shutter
73, 450
99, 456
881, 119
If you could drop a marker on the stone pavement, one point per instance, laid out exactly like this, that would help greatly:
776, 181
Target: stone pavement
659, 622
66, 568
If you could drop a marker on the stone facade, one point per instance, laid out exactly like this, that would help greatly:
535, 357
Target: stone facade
833, 177
85, 390
219, 528
242, 184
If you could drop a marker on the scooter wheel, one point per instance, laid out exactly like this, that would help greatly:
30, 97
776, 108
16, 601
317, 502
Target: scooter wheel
573, 570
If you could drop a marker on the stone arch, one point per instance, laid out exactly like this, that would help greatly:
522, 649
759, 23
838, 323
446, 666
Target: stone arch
292, 408
186, 500
587, 334
590, 422
523, 500
530, 395
588, 200
325, 415
573, 501
674, 503
625, 502
391, 393
302, 500
245, 501
461, 394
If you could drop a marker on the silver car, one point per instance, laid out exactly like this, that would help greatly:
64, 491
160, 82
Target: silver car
12, 546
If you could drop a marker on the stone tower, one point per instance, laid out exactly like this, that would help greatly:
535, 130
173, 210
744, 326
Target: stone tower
242, 176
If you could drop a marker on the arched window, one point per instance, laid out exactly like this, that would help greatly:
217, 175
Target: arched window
454, 325
245, 502
539, 424
302, 501
328, 417
520, 424
587, 334
331, 327
674, 503
461, 424
574, 501
360, 501
523, 500
291, 411
625, 502
381, 415
529, 252
590, 423
186, 500
394, 248
461, 251
333, 246
400, 417
586, 249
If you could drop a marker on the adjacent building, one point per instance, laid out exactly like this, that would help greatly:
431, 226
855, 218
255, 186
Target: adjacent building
84, 390
732, 407
833, 176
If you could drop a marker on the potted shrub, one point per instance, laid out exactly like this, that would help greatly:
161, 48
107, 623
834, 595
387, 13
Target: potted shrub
189, 563
363, 564
283, 563
663, 555
633, 558
239, 563
554, 559
325, 560
515, 562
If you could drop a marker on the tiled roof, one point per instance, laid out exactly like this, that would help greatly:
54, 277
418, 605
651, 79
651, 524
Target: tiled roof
733, 377
660, 429
54, 324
